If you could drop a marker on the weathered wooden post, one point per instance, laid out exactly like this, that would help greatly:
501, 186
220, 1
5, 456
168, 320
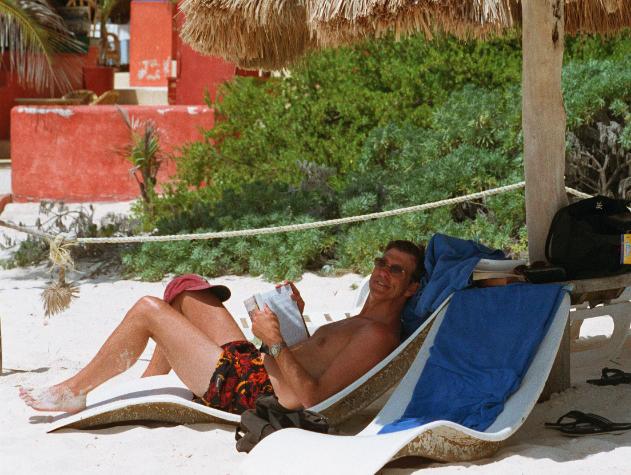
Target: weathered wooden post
543, 123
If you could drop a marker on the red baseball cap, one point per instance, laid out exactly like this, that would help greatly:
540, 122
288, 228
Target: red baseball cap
193, 282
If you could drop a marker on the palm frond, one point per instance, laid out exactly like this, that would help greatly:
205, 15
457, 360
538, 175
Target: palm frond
33, 33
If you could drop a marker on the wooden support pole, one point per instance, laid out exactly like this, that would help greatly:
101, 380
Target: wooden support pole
543, 118
559, 378
543, 123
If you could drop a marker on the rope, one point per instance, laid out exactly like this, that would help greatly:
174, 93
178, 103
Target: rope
281, 229
23, 229
57, 297
276, 229
577, 193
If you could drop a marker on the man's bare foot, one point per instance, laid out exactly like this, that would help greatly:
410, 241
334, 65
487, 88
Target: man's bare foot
55, 398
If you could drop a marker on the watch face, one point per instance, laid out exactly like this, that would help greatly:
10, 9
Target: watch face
276, 349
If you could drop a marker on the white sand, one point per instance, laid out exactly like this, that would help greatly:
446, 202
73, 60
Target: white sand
38, 355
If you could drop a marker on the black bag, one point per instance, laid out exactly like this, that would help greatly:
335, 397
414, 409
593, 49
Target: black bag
269, 416
585, 238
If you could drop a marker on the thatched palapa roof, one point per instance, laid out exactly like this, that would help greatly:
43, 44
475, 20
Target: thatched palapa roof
251, 33
339, 22
270, 34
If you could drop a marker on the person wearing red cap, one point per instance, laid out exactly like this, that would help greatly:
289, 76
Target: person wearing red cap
198, 338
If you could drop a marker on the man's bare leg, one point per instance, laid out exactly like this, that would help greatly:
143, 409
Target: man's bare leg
188, 350
207, 313
158, 364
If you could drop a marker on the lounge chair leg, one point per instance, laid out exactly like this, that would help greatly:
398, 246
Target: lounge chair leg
559, 378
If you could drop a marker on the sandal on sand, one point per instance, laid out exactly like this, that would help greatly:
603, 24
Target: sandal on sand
580, 423
611, 377
572, 418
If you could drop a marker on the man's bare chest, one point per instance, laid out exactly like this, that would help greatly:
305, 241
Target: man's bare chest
327, 343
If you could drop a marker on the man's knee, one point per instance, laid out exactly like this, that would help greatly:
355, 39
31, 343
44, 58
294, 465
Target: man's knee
148, 305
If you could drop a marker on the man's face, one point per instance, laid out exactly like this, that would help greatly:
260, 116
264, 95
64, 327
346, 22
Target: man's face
392, 275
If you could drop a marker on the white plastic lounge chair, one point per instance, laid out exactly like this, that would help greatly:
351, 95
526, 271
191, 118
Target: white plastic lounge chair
293, 451
167, 399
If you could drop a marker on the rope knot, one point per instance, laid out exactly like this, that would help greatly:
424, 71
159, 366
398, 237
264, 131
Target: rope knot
58, 295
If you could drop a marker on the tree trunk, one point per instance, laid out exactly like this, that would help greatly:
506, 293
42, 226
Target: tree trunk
543, 123
543, 118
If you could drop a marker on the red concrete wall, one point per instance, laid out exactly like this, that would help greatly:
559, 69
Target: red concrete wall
72, 153
10, 89
151, 42
196, 73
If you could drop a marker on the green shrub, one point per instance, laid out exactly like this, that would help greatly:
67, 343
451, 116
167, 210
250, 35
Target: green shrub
55, 217
356, 130
592, 86
275, 256
351, 131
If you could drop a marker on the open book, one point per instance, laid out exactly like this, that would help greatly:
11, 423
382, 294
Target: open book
497, 269
292, 325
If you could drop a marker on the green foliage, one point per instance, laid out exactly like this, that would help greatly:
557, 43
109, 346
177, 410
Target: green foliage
143, 152
353, 131
358, 130
591, 86
621, 111
31, 251
333, 101
32, 33
55, 218
586, 47
275, 256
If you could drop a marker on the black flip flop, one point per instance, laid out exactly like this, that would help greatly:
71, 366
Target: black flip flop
580, 423
571, 419
611, 377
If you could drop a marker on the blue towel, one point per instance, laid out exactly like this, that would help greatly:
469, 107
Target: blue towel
481, 353
449, 262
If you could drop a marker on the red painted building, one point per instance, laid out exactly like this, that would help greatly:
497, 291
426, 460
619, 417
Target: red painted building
151, 48
10, 90
72, 152
75, 153
159, 58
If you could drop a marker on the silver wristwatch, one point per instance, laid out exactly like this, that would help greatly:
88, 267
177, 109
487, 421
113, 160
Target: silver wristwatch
276, 348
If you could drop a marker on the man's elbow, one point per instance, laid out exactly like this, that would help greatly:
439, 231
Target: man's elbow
311, 394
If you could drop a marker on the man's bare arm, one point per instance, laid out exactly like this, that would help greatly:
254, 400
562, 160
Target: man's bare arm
367, 347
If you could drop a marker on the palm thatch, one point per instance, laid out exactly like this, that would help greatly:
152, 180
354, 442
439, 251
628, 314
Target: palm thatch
251, 33
273, 33
58, 295
342, 22
32, 32
597, 16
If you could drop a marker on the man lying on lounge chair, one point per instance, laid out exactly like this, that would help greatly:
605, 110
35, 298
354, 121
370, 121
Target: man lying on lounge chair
197, 337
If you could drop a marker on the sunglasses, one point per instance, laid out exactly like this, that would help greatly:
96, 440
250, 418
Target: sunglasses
394, 269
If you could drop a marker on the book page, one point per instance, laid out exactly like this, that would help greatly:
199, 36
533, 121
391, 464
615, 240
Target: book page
499, 265
250, 305
292, 325
495, 269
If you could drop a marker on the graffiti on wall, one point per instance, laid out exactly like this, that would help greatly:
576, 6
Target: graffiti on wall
154, 69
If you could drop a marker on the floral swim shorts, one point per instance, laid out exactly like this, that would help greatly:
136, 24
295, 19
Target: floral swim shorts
239, 379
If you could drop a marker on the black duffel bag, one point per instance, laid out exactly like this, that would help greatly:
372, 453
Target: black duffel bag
586, 237
269, 416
